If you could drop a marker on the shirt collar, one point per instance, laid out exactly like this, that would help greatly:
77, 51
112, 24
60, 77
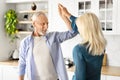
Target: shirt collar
31, 36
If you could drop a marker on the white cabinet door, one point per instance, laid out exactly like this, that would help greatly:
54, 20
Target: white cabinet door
55, 21
0, 72
106, 10
23, 1
106, 77
118, 18
103, 77
108, 15
87, 6
10, 73
70, 75
113, 78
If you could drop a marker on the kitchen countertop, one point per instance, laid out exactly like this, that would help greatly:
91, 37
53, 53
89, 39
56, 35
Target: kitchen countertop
9, 62
106, 70
111, 70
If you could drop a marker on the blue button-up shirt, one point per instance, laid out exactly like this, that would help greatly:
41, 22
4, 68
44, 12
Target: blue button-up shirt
53, 40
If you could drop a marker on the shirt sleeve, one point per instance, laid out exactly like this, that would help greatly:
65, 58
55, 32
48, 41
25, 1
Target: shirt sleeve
73, 23
62, 36
80, 66
22, 61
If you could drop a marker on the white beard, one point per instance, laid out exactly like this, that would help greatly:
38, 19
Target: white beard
41, 33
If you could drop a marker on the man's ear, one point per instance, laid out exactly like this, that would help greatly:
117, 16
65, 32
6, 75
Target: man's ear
33, 23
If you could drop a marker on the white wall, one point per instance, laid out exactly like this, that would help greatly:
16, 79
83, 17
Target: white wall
67, 46
5, 47
113, 50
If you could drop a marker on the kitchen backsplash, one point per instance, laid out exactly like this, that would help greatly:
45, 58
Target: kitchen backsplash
113, 50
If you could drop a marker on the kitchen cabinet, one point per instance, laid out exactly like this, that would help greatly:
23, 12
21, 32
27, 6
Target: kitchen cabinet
112, 78
103, 77
108, 15
107, 72
106, 10
0, 73
70, 73
118, 18
23, 1
8, 72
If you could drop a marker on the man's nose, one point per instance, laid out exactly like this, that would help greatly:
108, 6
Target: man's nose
46, 26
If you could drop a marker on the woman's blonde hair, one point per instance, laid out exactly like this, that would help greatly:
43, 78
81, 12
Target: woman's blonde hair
90, 29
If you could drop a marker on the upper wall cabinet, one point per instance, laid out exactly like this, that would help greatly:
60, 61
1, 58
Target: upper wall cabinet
106, 10
118, 18
23, 1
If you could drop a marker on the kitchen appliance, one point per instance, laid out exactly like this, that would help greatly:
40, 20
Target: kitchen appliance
14, 54
68, 62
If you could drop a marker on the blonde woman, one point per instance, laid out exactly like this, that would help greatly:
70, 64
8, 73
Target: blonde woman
88, 54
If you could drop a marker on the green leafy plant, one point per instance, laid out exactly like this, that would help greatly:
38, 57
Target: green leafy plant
11, 23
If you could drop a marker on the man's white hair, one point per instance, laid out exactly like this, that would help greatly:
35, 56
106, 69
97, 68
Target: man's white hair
35, 15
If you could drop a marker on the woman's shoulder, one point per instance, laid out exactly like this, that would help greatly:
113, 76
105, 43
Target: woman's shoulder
79, 51
79, 48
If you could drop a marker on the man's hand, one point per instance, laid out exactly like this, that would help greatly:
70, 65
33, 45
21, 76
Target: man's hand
65, 15
63, 12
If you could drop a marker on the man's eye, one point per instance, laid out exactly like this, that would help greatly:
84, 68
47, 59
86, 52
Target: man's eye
45, 24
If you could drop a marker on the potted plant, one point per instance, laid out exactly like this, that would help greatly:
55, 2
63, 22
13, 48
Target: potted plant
11, 23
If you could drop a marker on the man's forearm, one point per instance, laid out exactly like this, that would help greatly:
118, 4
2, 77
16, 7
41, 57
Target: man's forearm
67, 22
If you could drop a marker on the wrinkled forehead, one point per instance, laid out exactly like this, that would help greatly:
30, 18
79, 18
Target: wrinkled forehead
42, 19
